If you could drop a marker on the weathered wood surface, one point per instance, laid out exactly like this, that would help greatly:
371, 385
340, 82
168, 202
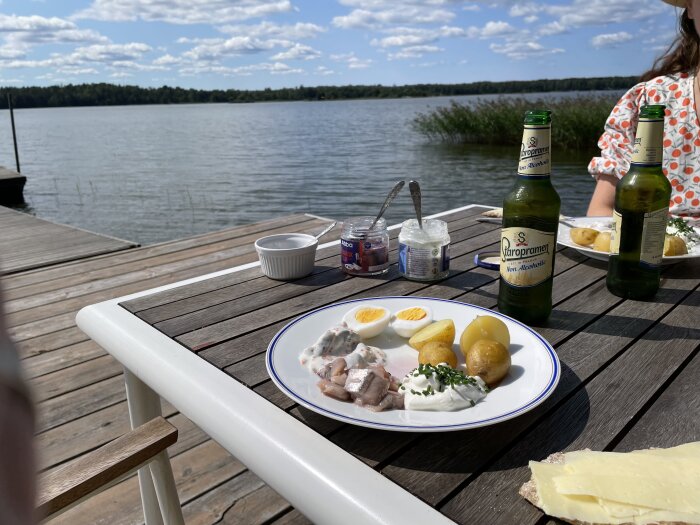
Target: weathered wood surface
28, 242
79, 389
94, 471
626, 365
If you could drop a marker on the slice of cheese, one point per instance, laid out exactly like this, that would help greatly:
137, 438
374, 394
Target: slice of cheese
584, 508
640, 487
676, 494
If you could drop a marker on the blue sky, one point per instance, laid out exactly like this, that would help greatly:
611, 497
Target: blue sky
254, 44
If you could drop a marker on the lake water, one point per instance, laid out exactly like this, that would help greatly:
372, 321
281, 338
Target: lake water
156, 173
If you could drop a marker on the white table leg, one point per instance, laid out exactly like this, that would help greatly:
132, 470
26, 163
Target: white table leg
161, 505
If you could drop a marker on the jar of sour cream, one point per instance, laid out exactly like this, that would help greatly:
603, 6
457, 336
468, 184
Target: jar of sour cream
424, 253
364, 251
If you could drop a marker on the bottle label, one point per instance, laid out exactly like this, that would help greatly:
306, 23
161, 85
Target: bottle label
653, 235
423, 263
615, 233
527, 256
534, 152
651, 246
648, 142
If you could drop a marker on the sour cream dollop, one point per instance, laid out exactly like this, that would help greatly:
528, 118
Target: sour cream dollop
441, 388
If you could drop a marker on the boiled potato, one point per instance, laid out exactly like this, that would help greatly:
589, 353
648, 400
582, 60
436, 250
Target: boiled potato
674, 246
583, 236
484, 327
489, 360
602, 242
437, 352
440, 331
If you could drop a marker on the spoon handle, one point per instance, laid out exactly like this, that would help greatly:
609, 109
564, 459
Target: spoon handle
326, 230
416, 196
392, 194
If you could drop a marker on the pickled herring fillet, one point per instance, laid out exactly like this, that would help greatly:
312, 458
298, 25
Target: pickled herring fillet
338, 341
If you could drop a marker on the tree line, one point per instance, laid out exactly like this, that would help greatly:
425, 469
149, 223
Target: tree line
103, 94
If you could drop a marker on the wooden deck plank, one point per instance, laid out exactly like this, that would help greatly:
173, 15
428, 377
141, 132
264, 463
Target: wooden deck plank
29, 242
64, 271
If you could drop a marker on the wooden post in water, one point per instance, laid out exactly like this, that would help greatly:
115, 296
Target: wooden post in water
14, 133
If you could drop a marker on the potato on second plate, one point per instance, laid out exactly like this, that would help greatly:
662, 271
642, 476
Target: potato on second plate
583, 236
674, 245
602, 242
441, 331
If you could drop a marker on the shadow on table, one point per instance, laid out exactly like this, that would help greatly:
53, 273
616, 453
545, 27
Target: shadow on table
466, 451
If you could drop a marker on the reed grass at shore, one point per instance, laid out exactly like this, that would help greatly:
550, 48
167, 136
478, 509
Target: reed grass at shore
577, 122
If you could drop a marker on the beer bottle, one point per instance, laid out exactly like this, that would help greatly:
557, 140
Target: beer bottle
641, 213
530, 223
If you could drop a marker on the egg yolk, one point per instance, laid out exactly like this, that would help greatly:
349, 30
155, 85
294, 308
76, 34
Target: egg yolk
411, 314
368, 315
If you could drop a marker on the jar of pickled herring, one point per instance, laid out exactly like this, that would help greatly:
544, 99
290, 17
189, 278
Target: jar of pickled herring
364, 251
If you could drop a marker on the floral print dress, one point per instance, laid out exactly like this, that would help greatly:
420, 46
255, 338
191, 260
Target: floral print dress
681, 159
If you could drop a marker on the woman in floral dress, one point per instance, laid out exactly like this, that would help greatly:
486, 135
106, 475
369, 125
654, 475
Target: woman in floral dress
672, 81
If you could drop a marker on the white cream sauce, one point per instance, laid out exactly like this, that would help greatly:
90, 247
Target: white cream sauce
441, 397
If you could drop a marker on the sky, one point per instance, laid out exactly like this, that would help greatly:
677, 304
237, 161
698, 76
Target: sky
256, 44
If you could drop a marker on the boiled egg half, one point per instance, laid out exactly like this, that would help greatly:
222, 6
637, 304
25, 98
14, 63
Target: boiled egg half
408, 321
368, 320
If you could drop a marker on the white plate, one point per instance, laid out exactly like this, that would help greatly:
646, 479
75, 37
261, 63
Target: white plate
604, 224
532, 378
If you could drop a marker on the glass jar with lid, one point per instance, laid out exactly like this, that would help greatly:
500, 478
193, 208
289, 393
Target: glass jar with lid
424, 253
364, 251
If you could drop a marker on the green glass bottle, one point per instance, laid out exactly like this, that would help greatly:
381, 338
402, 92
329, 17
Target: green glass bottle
530, 224
641, 213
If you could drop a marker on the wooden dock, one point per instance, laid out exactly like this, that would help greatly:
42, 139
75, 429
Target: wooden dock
27, 242
11, 187
79, 391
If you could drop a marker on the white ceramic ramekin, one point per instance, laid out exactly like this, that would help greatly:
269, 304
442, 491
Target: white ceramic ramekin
287, 255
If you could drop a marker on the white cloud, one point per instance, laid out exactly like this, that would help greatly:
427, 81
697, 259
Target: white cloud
531, 19
234, 46
297, 52
553, 28
13, 23
276, 68
352, 61
492, 29
166, 60
610, 39
408, 36
525, 9
522, 50
399, 14
414, 52
324, 71
600, 12
182, 11
109, 52
298, 31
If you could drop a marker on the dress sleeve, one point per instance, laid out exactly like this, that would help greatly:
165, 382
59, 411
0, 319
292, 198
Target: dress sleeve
618, 136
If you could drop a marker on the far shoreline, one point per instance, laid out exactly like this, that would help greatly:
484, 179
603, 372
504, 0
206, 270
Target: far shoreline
103, 94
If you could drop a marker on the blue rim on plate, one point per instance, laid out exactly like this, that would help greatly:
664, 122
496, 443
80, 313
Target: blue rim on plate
551, 382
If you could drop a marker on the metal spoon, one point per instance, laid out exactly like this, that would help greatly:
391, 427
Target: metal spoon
392, 194
323, 232
416, 196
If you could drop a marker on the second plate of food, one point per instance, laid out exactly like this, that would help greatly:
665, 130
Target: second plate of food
604, 225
